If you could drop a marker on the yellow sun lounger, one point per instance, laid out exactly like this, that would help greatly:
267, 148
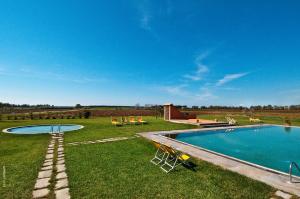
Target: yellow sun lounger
160, 154
254, 119
115, 122
141, 121
174, 158
170, 157
132, 120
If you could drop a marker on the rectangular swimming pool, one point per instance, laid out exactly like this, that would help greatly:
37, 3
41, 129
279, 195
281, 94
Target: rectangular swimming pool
274, 147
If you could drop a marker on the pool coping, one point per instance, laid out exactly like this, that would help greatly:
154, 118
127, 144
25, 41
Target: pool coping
6, 129
277, 179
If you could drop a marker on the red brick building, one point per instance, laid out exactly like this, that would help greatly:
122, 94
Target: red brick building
172, 113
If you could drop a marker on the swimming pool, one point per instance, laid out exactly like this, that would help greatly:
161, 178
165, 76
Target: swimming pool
40, 129
274, 147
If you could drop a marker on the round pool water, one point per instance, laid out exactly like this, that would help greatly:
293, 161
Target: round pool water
39, 129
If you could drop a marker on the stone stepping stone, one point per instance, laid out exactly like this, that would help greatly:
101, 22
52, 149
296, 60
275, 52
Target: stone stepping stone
62, 194
47, 168
49, 160
60, 168
283, 195
61, 155
62, 183
48, 163
61, 175
40, 193
60, 158
45, 174
42, 183
50, 151
60, 149
60, 162
49, 156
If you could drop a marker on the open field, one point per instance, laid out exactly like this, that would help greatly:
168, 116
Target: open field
120, 169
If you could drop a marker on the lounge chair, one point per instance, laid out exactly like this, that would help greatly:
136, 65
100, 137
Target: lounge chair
115, 122
132, 120
254, 119
141, 121
160, 155
174, 158
231, 121
124, 120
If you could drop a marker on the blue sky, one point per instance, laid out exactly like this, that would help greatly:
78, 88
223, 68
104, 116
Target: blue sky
121, 52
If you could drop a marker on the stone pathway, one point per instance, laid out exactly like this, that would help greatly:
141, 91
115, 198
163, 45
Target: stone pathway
103, 140
52, 177
281, 194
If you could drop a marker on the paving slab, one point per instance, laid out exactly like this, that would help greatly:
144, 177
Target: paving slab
40, 193
283, 195
48, 163
49, 156
50, 151
61, 175
47, 168
60, 155
60, 168
62, 194
49, 160
45, 174
60, 162
42, 183
62, 183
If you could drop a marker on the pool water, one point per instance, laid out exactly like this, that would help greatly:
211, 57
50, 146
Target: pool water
39, 129
269, 146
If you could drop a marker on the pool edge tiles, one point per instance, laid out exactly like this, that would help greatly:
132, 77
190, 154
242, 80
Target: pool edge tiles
8, 130
277, 180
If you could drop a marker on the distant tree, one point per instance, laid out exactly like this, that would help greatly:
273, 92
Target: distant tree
0, 116
77, 106
86, 114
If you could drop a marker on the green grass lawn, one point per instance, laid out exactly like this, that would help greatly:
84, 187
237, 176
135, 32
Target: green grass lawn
118, 169
22, 157
122, 170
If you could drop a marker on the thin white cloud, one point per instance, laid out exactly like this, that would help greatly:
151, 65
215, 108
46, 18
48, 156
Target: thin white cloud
230, 77
143, 8
201, 67
48, 75
175, 90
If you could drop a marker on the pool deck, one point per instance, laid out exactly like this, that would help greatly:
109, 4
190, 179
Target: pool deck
256, 172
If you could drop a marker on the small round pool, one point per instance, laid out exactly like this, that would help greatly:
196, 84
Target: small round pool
39, 129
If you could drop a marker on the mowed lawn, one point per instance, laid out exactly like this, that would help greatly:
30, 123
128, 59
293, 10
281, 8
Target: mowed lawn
21, 156
122, 170
118, 169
